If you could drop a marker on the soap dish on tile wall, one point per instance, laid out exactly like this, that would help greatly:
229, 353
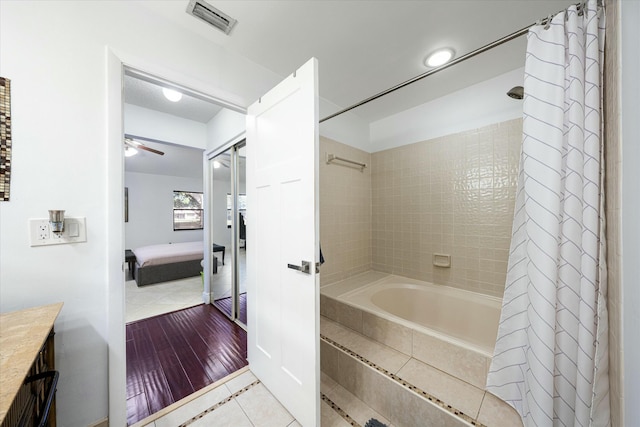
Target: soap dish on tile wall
442, 260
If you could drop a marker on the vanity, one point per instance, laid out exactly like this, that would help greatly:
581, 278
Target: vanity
27, 363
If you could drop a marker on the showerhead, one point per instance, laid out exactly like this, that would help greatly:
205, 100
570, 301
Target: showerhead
516, 92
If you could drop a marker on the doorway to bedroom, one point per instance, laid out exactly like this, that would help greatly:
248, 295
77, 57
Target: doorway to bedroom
177, 338
164, 143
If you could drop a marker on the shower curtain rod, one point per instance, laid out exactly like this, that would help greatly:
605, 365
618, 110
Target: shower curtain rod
462, 58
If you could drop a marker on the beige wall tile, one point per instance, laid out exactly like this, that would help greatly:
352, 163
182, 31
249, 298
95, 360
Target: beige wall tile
453, 194
345, 213
613, 189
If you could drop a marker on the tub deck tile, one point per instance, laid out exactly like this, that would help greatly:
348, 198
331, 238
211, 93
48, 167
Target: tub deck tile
377, 353
445, 387
356, 408
457, 361
336, 289
389, 333
498, 413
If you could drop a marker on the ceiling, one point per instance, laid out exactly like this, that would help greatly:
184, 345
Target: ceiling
149, 95
177, 160
363, 47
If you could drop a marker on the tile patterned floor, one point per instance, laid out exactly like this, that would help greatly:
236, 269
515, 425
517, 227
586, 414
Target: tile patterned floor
152, 300
173, 355
240, 401
244, 401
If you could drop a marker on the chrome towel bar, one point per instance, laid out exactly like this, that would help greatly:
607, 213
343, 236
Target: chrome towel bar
332, 157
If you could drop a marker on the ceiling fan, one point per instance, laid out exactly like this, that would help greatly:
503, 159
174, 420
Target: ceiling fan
131, 144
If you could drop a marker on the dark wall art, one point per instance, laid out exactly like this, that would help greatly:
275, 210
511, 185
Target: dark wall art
5, 138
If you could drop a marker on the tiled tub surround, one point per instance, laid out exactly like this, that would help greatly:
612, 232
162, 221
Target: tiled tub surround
453, 194
388, 363
345, 212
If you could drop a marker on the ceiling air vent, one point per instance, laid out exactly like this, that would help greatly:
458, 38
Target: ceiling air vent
211, 15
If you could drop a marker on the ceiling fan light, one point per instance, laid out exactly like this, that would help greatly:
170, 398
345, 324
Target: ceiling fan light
171, 95
216, 164
130, 151
439, 57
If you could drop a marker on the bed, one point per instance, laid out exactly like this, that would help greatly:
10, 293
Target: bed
161, 263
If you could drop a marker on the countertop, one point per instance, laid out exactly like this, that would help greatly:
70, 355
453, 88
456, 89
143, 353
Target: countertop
22, 334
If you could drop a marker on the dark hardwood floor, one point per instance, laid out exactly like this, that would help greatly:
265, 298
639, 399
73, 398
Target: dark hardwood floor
175, 354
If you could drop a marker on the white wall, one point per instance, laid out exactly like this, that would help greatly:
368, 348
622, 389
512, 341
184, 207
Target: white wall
151, 209
630, 90
56, 55
224, 126
164, 127
347, 128
474, 107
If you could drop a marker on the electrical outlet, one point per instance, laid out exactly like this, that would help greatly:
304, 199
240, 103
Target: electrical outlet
43, 231
39, 231
41, 235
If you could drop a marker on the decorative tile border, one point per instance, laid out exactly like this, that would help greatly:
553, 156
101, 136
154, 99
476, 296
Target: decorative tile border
340, 411
404, 383
219, 404
5, 138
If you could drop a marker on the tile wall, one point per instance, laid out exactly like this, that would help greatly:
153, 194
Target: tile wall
613, 190
454, 195
345, 213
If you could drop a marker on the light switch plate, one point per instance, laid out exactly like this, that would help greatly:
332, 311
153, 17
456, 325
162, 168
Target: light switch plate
75, 231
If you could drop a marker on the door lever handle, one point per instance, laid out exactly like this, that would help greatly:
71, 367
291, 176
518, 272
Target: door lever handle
304, 268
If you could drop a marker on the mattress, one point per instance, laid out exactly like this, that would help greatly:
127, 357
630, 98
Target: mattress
169, 253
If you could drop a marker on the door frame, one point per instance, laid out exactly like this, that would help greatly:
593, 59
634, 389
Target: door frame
116, 63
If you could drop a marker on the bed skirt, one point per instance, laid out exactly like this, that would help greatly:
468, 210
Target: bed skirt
165, 272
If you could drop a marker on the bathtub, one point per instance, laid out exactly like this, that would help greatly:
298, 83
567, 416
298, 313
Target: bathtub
451, 329
461, 317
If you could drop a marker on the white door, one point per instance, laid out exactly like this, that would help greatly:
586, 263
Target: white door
282, 229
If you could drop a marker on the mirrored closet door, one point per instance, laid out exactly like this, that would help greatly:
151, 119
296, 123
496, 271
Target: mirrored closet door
228, 232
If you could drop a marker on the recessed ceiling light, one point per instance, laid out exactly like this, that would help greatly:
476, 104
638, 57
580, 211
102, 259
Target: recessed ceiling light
439, 57
171, 95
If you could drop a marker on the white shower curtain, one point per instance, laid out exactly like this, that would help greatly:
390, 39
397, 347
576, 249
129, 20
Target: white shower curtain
551, 356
